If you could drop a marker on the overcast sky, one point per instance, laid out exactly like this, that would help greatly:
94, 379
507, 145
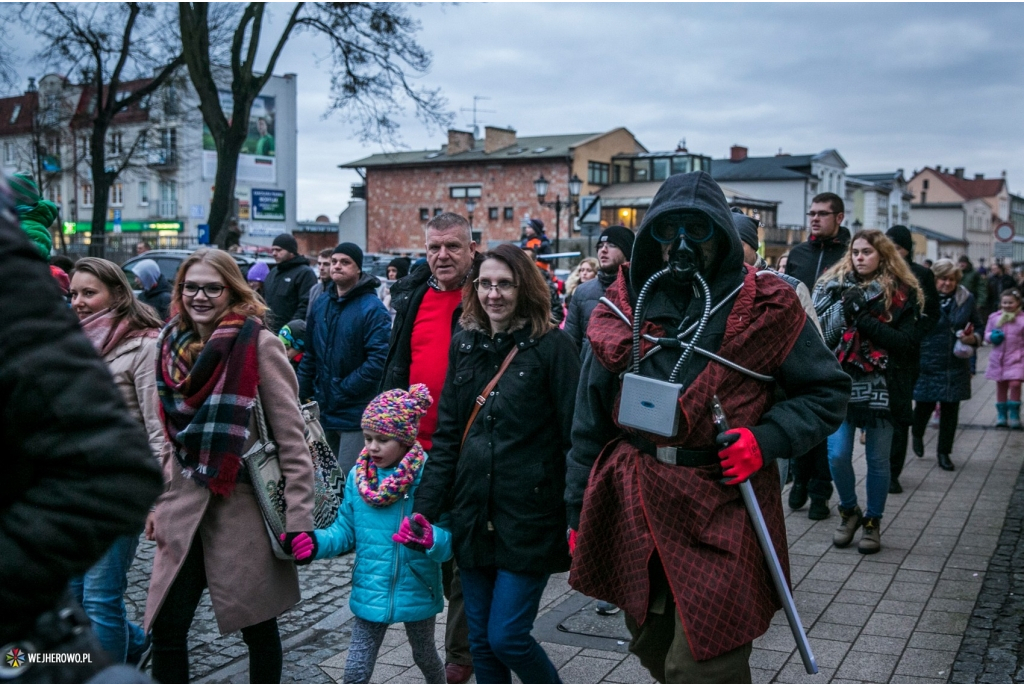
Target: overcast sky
887, 85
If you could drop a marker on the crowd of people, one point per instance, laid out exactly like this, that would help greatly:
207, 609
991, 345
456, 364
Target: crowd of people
493, 425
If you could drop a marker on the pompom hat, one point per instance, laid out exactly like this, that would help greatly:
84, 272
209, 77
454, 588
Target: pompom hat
397, 413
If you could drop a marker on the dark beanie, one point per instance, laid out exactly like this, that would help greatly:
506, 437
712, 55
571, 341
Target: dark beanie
286, 241
901, 236
746, 227
619, 236
537, 225
353, 251
402, 264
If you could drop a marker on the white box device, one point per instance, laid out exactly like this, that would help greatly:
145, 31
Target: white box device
650, 404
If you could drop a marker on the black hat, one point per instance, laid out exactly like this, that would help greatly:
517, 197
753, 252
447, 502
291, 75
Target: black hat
901, 236
746, 227
353, 251
402, 264
619, 236
286, 241
537, 225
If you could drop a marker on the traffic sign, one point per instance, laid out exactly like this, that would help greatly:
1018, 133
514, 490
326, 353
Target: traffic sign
1001, 251
590, 210
203, 234
1004, 232
117, 221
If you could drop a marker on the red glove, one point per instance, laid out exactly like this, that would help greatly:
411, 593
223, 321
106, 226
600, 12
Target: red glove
302, 546
415, 533
572, 541
740, 455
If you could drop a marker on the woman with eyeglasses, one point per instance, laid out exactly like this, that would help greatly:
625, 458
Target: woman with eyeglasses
868, 305
123, 330
215, 359
497, 464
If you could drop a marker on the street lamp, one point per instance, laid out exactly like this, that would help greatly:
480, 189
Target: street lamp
470, 207
575, 186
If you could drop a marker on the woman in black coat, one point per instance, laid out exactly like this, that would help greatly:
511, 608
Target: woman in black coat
946, 378
501, 474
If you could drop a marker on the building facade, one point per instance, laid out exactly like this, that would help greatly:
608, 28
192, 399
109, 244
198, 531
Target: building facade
878, 201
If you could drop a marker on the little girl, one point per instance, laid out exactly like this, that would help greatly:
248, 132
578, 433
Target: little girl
391, 582
1005, 331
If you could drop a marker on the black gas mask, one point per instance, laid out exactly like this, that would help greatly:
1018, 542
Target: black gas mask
687, 233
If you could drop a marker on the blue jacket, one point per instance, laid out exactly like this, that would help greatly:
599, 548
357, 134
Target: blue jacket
945, 377
346, 346
390, 582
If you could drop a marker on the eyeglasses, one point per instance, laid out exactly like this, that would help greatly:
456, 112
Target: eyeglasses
503, 287
814, 214
211, 290
694, 227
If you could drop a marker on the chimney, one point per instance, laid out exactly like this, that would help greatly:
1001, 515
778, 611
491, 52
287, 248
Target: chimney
31, 85
737, 153
498, 138
681, 147
459, 141
979, 177
958, 172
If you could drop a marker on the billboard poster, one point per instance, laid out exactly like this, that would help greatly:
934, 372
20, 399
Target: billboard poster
267, 205
257, 159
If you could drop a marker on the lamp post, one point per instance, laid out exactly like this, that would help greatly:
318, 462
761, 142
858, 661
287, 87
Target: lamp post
470, 207
541, 186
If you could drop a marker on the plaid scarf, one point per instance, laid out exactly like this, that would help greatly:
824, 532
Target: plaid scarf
206, 408
384, 493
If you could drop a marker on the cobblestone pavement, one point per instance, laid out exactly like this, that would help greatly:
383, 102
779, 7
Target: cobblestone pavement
901, 615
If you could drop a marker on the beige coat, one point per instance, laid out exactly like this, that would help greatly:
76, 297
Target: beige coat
247, 583
133, 366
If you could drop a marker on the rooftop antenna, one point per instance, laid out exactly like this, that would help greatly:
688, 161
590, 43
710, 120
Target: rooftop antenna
475, 110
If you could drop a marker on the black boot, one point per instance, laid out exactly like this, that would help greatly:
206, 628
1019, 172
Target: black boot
894, 486
944, 462
918, 445
797, 496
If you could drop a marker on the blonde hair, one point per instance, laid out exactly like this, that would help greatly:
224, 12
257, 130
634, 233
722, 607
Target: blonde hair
946, 268
123, 303
892, 271
573, 281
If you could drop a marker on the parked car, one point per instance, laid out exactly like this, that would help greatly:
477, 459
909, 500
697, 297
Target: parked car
170, 260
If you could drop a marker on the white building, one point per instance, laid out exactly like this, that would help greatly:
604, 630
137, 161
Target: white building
878, 201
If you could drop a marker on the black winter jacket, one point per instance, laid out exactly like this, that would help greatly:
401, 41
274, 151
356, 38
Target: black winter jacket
158, 297
809, 260
584, 299
286, 291
78, 472
504, 488
944, 377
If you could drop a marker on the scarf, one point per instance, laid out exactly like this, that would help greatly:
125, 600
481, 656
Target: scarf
206, 408
106, 331
1005, 318
384, 493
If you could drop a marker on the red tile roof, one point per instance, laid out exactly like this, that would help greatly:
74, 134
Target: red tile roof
970, 189
23, 124
132, 115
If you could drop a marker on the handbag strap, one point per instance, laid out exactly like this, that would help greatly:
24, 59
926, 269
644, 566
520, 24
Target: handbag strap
481, 399
261, 420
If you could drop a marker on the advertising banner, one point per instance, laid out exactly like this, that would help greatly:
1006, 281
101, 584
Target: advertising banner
257, 160
267, 205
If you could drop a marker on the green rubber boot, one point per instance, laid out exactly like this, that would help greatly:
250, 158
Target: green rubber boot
1001, 415
1013, 409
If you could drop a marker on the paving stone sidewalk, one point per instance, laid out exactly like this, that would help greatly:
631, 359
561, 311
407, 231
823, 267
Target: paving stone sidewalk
897, 616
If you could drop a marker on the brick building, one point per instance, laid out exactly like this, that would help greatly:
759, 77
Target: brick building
404, 190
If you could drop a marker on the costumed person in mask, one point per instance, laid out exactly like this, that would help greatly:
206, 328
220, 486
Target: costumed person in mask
654, 528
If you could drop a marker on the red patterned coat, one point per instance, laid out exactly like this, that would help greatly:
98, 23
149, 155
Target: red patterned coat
635, 507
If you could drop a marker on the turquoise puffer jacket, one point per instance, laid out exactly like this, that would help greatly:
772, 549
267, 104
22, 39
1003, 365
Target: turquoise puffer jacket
390, 582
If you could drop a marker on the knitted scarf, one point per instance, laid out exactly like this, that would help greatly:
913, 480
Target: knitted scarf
105, 331
386, 492
206, 407
1006, 317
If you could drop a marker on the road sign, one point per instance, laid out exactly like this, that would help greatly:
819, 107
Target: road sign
117, 221
1002, 251
204, 234
1004, 232
590, 210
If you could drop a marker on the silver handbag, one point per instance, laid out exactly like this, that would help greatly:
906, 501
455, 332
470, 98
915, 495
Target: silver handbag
264, 466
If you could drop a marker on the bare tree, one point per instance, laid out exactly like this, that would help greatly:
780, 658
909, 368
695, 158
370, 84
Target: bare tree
373, 54
110, 45
8, 77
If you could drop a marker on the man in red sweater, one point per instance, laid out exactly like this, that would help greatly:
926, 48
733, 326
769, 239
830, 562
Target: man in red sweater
428, 304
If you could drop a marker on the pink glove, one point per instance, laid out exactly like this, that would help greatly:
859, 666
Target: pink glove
415, 533
740, 455
572, 541
302, 546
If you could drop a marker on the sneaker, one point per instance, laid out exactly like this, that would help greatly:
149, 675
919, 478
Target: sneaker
606, 608
458, 673
918, 446
852, 518
797, 496
894, 486
871, 538
819, 509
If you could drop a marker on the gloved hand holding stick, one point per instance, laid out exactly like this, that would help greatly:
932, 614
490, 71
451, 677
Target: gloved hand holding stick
764, 539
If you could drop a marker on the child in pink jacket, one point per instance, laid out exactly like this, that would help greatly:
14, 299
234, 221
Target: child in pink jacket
1005, 332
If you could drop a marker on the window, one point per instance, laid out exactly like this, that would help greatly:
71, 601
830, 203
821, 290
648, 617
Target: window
144, 193
424, 214
621, 172
8, 153
84, 141
438, 211
641, 170
661, 167
14, 113
492, 213
53, 193
117, 195
86, 195
924, 197
168, 199
507, 214
461, 192
924, 184
116, 143
597, 173
168, 138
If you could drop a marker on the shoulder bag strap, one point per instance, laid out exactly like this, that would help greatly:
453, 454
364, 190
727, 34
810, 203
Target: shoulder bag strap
261, 420
481, 399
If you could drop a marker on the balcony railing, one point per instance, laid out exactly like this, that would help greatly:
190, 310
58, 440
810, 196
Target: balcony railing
166, 209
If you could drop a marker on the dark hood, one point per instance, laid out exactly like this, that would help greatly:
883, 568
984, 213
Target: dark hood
161, 286
366, 283
293, 263
690, 192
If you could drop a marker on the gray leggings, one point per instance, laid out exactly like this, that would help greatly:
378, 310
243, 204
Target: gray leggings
367, 637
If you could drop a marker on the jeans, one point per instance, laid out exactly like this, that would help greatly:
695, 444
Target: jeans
501, 607
101, 593
840, 462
